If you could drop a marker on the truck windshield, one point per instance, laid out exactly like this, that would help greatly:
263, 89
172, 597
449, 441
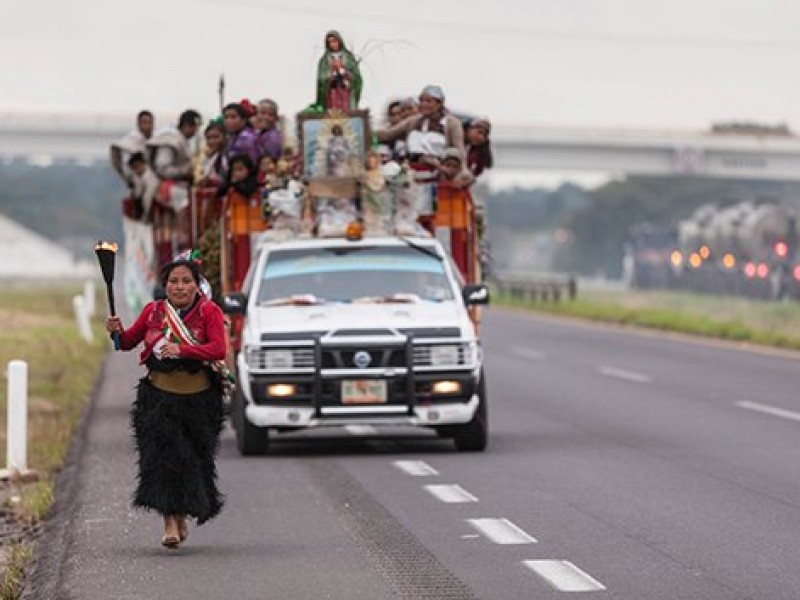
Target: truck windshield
358, 273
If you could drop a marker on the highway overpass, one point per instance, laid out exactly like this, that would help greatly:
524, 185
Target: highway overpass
85, 137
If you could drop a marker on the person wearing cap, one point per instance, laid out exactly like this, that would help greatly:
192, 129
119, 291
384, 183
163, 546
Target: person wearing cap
269, 140
478, 146
408, 107
177, 416
241, 138
427, 133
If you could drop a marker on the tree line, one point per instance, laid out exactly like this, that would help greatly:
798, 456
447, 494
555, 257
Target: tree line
78, 204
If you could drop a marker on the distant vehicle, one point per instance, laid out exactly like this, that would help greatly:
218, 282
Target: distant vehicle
748, 248
646, 261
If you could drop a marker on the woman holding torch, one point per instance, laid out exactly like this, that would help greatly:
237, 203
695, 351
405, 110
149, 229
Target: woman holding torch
177, 416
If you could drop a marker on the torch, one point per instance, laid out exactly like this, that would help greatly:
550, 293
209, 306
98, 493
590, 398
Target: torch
106, 251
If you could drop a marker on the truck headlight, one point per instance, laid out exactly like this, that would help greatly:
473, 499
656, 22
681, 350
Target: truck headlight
444, 355
278, 359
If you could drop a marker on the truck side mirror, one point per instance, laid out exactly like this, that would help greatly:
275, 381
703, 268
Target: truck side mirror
234, 303
475, 294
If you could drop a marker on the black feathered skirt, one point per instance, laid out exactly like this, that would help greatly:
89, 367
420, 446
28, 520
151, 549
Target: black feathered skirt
177, 438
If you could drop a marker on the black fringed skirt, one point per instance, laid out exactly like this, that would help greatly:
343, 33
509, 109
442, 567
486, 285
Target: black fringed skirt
177, 438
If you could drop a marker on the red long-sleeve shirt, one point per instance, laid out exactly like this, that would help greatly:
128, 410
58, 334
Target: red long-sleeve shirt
205, 320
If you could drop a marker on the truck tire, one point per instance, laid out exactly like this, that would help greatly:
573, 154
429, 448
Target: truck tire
474, 435
251, 440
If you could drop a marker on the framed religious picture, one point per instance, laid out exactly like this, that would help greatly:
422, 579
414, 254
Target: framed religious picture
334, 146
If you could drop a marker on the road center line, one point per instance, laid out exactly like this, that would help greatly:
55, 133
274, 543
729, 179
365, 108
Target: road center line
564, 576
530, 353
418, 468
501, 531
360, 429
450, 493
770, 410
623, 374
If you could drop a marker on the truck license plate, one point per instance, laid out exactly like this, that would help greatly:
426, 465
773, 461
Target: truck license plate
363, 391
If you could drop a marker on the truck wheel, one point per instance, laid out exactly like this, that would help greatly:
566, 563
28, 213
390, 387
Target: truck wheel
251, 440
474, 435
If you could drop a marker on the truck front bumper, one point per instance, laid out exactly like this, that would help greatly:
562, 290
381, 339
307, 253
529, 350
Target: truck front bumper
421, 415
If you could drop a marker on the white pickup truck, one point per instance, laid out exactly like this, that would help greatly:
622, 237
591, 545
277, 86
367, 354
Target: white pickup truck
374, 331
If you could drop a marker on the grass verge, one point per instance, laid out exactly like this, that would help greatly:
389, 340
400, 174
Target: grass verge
765, 323
39, 327
19, 555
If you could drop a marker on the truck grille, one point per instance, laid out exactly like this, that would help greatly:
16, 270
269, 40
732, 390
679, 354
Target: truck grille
275, 359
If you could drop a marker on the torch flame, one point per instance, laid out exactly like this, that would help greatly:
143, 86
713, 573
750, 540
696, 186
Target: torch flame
109, 246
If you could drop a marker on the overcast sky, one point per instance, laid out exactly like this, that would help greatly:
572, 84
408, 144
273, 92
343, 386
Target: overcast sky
607, 63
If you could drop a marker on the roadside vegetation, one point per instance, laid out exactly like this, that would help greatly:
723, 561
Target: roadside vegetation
38, 327
775, 324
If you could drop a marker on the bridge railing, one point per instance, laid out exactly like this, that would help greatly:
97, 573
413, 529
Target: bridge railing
538, 287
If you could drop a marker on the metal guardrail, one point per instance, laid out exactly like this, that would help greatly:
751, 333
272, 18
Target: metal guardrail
545, 287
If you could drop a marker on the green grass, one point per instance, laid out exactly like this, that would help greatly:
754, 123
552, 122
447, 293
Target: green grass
18, 557
766, 323
39, 327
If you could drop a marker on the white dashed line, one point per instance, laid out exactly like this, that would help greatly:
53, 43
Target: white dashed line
564, 576
623, 374
501, 531
770, 410
450, 493
360, 429
528, 353
417, 468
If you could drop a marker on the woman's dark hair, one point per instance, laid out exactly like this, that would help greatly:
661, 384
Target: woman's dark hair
245, 160
167, 269
484, 152
143, 113
247, 187
238, 108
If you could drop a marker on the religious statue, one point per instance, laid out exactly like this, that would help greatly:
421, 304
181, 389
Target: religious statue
338, 76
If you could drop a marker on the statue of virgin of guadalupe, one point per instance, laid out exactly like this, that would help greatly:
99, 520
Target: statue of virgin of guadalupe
338, 76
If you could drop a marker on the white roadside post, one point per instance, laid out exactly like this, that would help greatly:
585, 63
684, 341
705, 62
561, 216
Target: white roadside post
82, 318
17, 436
89, 297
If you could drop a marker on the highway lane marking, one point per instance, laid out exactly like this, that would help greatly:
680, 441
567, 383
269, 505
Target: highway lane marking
417, 468
564, 576
360, 429
450, 493
624, 374
769, 410
528, 353
501, 531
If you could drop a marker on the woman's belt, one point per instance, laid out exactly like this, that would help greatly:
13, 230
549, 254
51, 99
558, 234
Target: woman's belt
180, 382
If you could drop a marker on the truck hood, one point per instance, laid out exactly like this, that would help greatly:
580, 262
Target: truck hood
325, 317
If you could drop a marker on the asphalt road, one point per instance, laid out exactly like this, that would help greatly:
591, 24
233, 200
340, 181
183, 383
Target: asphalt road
620, 464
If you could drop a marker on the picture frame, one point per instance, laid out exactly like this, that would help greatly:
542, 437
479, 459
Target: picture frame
333, 146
